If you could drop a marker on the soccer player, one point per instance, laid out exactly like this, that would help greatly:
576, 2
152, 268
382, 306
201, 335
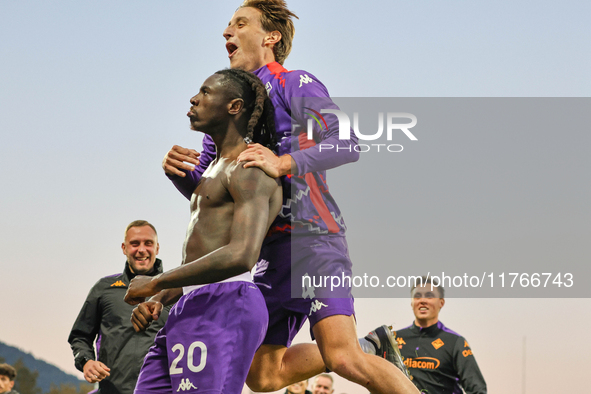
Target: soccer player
439, 359
258, 39
220, 319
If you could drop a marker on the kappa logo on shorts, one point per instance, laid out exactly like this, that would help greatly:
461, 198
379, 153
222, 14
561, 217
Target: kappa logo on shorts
118, 284
308, 291
316, 305
186, 385
261, 267
305, 79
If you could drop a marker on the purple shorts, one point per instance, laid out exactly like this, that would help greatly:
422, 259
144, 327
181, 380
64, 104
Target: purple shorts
208, 342
281, 265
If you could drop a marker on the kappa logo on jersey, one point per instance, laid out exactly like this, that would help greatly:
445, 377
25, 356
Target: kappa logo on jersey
421, 362
268, 87
118, 284
437, 343
305, 79
466, 343
467, 352
400, 342
186, 385
316, 305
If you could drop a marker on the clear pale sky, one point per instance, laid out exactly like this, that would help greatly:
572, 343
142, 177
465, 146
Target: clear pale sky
92, 95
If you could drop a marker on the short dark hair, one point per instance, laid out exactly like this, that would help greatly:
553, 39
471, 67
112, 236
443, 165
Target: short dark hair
139, 223
248, 87
8, 370
427, 279
276, 17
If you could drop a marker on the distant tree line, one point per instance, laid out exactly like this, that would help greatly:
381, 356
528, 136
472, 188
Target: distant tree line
26, 382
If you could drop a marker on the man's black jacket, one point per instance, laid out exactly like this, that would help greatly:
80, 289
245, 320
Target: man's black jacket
440, 360
105, 317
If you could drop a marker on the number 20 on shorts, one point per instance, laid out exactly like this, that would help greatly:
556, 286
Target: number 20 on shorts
175, 369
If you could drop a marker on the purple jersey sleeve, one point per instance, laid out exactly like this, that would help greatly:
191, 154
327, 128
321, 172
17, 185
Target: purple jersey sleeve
188, 184
300, 83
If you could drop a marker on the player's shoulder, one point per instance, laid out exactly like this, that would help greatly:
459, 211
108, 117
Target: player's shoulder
240, 178
451, 337
302, 79
288, 78
110, 280
298, 74
404, 331
448, 331
104, 284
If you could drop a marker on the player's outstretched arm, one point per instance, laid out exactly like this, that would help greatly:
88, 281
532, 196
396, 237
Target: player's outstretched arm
141, 287
310, 157
252, 190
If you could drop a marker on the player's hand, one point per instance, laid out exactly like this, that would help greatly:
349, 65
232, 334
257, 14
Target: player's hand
95, 371
139, 288
175, 159
144, 314
262, 157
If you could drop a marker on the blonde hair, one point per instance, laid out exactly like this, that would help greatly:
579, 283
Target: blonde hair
139, 223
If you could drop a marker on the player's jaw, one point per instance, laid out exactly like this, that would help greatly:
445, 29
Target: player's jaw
193, 119
142, 262
422, 310
243, 57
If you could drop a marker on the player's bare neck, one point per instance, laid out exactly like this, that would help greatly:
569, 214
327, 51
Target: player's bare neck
230, 153
229, 144
266, 58
230, 150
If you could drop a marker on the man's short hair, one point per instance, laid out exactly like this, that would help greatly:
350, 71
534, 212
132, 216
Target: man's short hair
325, 375
139, 223
427, 280
276, 17
8, 370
